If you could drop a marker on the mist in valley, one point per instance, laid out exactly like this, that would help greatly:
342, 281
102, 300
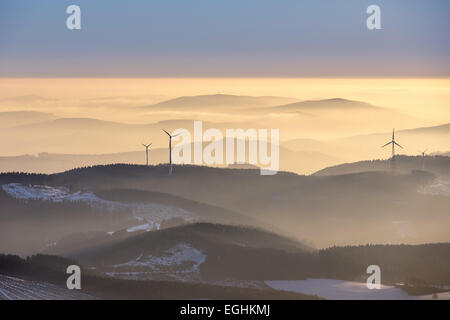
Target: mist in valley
75, 184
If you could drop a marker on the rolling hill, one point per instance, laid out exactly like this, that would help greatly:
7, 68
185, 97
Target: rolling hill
18, 118
235, 255
56, 217
337, 104
43, 277
438, 165
364, 207
192, 252
224, 102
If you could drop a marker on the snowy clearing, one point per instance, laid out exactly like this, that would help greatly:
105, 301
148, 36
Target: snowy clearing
150, 213
180, 262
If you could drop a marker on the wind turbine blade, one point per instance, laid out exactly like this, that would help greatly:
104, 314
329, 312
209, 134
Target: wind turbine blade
387, 144
166, 132
398, 144
149, 144
176, 135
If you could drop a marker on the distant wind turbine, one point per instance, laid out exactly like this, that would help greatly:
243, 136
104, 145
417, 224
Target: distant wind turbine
170, 150
423, 158
146, 152
394, 143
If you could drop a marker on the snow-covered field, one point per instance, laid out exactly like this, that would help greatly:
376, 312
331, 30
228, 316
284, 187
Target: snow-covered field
346, 290
17, 289
180, 262
150, 214
48, 193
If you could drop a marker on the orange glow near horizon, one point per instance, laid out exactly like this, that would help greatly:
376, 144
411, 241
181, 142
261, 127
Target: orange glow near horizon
420, 97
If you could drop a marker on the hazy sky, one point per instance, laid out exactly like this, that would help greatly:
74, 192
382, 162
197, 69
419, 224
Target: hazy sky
224, 38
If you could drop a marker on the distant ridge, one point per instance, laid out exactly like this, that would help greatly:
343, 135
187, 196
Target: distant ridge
438, 165
444, 128
10, 119
327, 104
220, 100
27, 98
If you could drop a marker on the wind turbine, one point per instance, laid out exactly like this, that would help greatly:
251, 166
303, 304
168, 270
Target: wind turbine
146, 152
170, 149
423, 158
394, 143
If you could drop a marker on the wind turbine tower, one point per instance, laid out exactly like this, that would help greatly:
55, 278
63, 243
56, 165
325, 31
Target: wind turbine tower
394, 143
146, 152
170, 150
423, 159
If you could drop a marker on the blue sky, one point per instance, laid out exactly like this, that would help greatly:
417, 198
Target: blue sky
224, 38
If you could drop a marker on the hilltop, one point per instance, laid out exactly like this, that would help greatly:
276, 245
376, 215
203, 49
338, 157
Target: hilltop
326, 105
213, 101
437, 165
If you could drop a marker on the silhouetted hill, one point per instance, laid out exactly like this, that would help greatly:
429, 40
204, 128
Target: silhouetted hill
364, 207
31, 225
209, 239
17, 118
74, 124
207, 252
52, 269
327, 104
27, 98
418, 264
419, 267
224, 101
438, 165
442, 129
38, 218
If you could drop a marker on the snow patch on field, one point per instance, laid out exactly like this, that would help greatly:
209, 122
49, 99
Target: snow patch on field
151, 214
142, 227
48, 193
180, 262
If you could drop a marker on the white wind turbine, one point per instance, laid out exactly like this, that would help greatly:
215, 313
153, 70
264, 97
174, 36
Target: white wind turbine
394, 143
146, 152
170, 149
